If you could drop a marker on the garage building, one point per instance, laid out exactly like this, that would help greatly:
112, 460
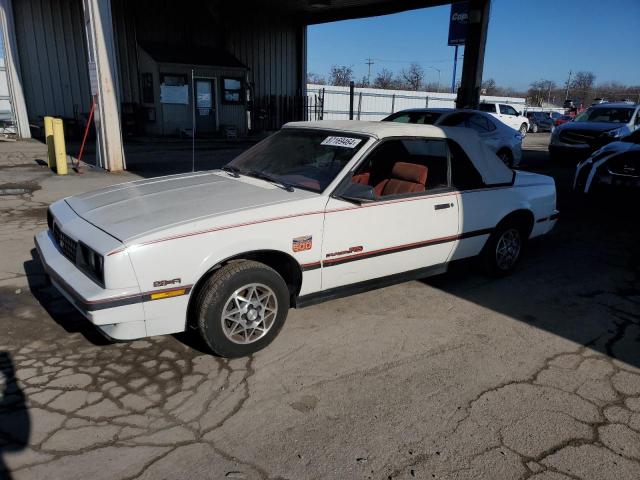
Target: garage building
151, 66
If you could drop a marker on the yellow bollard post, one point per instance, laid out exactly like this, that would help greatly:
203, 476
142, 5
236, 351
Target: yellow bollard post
48, 137
59, 147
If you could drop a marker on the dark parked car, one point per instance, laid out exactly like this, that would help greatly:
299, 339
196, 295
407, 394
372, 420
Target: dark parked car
594, 128
539, 122
427, 116
614, 165
562, 119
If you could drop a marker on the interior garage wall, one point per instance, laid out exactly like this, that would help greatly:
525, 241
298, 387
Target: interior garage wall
274, 54
52, 48
53, 57
127, 55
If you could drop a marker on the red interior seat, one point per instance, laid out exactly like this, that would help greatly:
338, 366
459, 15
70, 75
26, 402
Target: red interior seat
362, 178
405, 178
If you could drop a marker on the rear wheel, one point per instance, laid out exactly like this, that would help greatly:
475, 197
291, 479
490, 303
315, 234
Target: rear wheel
241, 308
504, 249
523, 129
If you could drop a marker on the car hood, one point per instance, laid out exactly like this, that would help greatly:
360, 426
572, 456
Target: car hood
591, 126
130, 210
616, 147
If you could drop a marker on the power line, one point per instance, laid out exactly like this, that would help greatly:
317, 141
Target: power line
381, 60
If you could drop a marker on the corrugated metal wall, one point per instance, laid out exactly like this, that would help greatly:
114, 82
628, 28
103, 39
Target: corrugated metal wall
52, 48
126, 52
53, 57
273, 54
272, 49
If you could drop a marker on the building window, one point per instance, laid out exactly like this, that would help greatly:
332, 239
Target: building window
173, 80
232, 90
174, 89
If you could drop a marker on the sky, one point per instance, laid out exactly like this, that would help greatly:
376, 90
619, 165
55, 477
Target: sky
527, 41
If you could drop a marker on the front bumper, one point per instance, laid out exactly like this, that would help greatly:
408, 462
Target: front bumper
118, 314
581, 150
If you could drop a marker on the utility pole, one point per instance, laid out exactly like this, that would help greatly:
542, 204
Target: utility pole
566, 93
455, 66
439, 72
369, 62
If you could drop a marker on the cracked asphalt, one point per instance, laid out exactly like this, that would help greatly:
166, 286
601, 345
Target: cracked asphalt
536, 376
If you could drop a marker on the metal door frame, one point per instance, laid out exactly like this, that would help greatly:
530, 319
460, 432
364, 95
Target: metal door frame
215, 95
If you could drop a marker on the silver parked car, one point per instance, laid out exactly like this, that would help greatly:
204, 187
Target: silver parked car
505, 141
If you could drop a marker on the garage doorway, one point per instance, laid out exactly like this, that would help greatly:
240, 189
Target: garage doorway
206, 111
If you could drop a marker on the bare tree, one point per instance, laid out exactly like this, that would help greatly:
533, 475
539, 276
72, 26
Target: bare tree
316, 79
413, 76
489, 87
431, 86
364, 82
582, 86
384, 79
541, 91
340, 75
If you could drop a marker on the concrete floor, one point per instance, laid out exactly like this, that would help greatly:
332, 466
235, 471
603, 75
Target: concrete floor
536, 376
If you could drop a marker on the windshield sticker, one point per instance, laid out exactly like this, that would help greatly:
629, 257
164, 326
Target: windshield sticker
345, 142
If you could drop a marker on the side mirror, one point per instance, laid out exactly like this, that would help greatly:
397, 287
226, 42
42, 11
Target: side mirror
359, 193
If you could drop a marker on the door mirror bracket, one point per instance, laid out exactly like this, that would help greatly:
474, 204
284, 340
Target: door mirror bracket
358, 193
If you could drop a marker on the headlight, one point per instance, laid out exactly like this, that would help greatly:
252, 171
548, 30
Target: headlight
90, 262
617, 133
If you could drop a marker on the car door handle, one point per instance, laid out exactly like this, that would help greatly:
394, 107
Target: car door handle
442, 206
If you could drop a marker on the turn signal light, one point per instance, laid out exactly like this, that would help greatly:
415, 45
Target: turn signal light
168, 294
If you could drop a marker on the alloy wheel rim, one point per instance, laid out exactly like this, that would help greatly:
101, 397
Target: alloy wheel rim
249, 313
508, 249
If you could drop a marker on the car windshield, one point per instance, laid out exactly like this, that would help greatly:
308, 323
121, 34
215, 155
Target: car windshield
426, 118
487, 107
307, 159
606, 115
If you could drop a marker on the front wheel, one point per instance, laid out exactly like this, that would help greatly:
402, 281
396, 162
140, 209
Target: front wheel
241, 308
503, 249
523, 129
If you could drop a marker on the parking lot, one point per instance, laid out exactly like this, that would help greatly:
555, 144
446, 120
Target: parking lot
534, 376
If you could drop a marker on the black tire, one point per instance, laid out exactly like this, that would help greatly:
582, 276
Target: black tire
506, 156
534, 128
523, 129
489, 255
219, 288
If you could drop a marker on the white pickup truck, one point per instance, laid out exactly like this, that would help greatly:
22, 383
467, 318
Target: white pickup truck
316, 211
507, 115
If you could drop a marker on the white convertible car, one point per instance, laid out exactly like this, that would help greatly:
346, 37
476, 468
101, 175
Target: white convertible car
316, 211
